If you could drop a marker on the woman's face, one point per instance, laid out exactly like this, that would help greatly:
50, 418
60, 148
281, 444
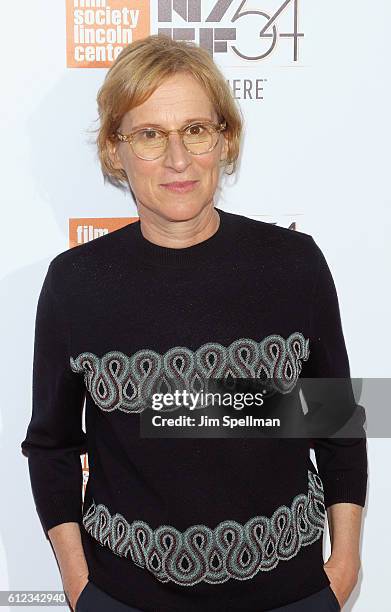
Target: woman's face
178, 101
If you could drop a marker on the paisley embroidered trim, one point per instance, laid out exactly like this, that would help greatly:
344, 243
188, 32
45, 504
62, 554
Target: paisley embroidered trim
117, 381
201, 554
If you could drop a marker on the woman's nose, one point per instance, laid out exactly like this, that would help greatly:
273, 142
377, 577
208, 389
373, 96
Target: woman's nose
176, 153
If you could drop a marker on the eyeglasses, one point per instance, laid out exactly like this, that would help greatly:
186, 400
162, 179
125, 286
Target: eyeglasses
151, 143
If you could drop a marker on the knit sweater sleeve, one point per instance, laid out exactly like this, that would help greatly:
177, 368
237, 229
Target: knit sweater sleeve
55, 438
341, 462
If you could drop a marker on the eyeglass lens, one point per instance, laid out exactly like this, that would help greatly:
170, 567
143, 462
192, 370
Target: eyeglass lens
151, 143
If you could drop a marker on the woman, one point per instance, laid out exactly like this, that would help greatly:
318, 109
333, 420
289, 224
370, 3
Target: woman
186, 294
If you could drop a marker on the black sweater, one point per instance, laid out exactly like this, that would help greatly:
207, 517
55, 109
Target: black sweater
187, 524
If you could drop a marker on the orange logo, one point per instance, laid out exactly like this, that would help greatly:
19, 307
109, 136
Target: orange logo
98, 30
85, 229
86, 472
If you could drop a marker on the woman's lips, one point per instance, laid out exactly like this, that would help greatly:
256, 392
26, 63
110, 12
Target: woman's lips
180, 187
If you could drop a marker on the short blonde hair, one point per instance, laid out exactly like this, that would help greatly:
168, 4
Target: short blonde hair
139, 69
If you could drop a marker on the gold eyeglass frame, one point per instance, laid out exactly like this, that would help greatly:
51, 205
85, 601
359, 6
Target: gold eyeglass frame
219, 127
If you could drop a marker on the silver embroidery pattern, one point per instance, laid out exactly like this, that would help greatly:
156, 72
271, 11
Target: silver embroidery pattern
117, 381
201, 554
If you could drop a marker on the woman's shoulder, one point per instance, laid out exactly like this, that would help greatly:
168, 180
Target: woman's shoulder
271, 235
89, 259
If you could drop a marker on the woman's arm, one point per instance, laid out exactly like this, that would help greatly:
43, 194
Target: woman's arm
342, 462
344, 564
66, 541
55, 438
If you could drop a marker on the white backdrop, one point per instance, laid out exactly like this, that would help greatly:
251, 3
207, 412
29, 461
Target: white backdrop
316, 152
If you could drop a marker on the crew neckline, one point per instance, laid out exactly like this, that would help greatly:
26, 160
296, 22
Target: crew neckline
213, 247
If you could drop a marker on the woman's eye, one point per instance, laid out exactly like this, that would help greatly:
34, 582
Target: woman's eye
148, 134
195, 129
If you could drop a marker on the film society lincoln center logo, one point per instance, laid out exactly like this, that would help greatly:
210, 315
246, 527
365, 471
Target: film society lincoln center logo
239, 32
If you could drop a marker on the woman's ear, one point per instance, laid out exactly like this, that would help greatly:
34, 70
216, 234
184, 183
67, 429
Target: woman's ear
224, 150
112, 150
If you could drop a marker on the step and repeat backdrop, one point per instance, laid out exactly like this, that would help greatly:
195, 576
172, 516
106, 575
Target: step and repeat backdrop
312, 80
